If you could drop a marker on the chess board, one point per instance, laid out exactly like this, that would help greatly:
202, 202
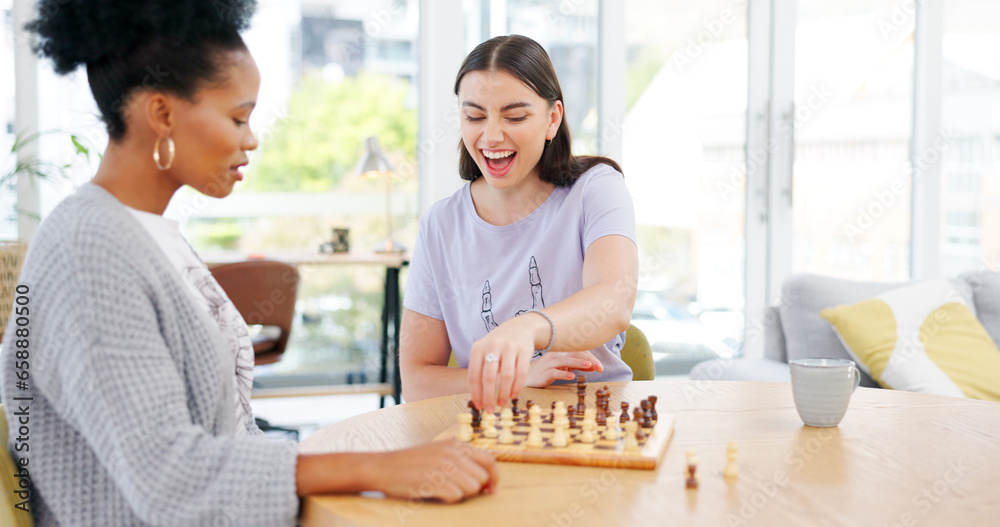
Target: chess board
600, 453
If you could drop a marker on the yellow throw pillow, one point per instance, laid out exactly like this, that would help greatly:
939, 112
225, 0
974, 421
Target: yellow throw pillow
922, 338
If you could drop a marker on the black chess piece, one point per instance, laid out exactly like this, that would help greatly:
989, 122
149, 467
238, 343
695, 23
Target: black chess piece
624, 417
514, 409
640, 434
476, 415
652, 409
692, 481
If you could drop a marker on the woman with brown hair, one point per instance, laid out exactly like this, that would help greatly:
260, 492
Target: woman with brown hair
535, 254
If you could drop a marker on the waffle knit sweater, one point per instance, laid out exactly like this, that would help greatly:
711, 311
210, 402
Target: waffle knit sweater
131, 417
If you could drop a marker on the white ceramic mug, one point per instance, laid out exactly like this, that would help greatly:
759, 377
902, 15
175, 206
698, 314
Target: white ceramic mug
822, 388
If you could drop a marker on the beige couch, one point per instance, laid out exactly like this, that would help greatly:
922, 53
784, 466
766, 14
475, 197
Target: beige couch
794, 329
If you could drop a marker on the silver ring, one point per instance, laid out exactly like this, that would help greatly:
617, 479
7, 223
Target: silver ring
490, 357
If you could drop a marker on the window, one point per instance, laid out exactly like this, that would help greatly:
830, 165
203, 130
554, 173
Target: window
684, 144
853, 105
8, 195
970, 106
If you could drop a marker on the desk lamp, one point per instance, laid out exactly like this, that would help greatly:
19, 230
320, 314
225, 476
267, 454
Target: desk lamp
371, 165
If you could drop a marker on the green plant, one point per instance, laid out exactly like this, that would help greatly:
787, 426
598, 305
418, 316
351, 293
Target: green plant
32, 166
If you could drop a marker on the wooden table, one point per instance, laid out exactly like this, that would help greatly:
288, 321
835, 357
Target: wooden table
897, 459
391, 311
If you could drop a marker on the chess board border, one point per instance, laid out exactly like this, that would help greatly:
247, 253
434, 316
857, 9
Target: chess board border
577, 453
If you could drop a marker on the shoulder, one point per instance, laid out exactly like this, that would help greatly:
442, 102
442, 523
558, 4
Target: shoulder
601, 172
90, 215
598, 181
89, 230
448, 210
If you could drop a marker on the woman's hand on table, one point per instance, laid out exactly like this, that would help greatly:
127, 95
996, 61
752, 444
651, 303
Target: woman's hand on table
449, 471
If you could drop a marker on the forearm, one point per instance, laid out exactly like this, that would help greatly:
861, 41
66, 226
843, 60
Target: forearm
603, 307
432, 380
335, 473
589, 318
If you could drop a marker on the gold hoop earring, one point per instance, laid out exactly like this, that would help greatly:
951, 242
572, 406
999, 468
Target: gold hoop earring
170, 154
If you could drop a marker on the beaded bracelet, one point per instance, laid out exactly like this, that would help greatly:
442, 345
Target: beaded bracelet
552, 337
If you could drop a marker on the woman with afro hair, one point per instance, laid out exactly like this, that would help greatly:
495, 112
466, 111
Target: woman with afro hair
139, 374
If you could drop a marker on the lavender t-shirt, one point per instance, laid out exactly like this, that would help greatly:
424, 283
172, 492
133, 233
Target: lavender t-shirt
475, 276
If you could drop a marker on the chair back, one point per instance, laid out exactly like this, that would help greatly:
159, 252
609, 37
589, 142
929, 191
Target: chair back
264, 292
637, 354
9, 483
11, 258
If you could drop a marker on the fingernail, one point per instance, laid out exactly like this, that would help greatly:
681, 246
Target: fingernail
586, 364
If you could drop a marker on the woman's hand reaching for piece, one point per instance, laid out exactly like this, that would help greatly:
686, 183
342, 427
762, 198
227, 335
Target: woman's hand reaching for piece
500, 364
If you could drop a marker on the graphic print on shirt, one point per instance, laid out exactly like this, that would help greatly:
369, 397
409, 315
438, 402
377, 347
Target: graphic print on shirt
237, 337
537, 300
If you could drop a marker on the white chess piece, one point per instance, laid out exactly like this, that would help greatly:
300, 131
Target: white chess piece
730, 471
611, 430
464, 427
589, 425
535, 432
506, 425
489, 424
631, 443
560, 423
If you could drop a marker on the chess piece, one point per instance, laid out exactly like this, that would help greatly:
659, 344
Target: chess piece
624, 417
589, 425
506, 427
535, 432
640, 434
647, 420
631, 443
690, 467
514, 409
602, 419
692, 480
464, 427
528, 405
476, 415
581, 395
552, 413
611, 430
489, 425
571, 417
730, 471
560, 435
652, 409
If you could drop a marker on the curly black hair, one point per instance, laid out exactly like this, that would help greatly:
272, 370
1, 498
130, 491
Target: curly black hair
128, 45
